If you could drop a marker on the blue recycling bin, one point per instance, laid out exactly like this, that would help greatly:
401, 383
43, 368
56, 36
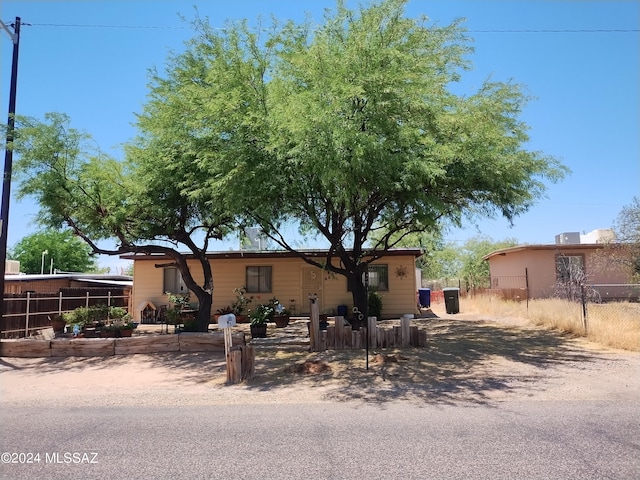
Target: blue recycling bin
343, 310
424, 297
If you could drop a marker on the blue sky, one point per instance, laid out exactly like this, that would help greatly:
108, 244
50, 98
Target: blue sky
582, 72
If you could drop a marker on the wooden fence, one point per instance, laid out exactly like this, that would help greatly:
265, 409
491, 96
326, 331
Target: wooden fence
27, 312
340, 336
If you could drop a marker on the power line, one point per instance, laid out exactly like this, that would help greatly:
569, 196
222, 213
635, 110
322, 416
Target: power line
171, 27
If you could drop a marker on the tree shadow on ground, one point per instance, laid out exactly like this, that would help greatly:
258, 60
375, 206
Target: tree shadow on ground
468, 361
188, 368
465, 361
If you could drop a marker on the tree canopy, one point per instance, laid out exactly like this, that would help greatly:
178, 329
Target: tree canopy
352, 129
58, 250
145, 203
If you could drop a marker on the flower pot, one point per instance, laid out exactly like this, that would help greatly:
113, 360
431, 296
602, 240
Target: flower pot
126, 332
242, 319
58, 324
259, 331
281, 321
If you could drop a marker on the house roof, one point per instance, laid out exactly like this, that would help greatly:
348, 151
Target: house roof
105, 279
554, 246
415, 252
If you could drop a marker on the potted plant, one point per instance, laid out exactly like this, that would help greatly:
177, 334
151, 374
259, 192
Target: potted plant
240, 304
259, 317
87, 320
58, 324
127, 327
280, 314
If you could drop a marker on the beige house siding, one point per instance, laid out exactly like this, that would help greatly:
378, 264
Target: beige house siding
292, 281
539, 264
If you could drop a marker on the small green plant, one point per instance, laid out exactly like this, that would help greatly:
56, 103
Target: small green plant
119, 313
88, 316
242, 300
375, 305
179, 302
260, 315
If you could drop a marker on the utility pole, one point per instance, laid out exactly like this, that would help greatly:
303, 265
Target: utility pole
8, 160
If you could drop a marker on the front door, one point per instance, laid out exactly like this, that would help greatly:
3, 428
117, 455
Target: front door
311, 284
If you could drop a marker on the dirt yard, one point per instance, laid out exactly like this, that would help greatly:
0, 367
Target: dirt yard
469, 359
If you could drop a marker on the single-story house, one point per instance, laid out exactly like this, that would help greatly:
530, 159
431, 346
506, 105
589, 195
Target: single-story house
50, 283
280, 274
539, 268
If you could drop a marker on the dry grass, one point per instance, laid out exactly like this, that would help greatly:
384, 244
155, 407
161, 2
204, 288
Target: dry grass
614, 325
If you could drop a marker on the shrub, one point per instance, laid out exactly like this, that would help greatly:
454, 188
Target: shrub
375, 305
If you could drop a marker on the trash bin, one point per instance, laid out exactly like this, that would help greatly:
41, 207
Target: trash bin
343, 310
424, 297
452, 299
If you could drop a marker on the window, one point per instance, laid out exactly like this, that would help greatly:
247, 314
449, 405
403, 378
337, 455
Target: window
378, 278
258, 280
569, 268
172, 281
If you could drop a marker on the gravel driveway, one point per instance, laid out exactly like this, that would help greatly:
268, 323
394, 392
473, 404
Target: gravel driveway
469, 359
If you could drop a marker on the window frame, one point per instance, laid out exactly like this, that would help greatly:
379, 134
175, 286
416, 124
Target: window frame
265, 281
376, 288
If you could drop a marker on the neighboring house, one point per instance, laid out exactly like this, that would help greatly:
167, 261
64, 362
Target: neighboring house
279, 274
31, 299
36, 283
542, 267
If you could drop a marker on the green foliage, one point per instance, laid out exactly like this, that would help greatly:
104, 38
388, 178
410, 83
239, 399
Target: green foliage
475, 270
147, 204
97, 314
350, 127
179, 302
375, 305
242, 300
260, 315
68, 252
353, 127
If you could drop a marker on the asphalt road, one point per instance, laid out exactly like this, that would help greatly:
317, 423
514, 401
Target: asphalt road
346, 440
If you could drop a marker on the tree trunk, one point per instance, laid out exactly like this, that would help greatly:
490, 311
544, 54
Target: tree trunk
203, 318
359, 289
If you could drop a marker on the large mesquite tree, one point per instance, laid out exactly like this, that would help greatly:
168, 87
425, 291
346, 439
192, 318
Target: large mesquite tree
144, 204
352, 129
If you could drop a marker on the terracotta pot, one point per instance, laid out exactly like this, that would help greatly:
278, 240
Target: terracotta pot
281, 321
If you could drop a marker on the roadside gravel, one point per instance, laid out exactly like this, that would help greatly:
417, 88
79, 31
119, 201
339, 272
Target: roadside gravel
469, 359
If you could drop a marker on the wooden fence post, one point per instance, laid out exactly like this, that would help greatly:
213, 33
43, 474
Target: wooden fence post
234, 366
314, 330
248, 361
339, 335
372, 327
405, 333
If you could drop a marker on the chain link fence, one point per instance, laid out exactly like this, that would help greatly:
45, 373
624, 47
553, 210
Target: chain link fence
611, 306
